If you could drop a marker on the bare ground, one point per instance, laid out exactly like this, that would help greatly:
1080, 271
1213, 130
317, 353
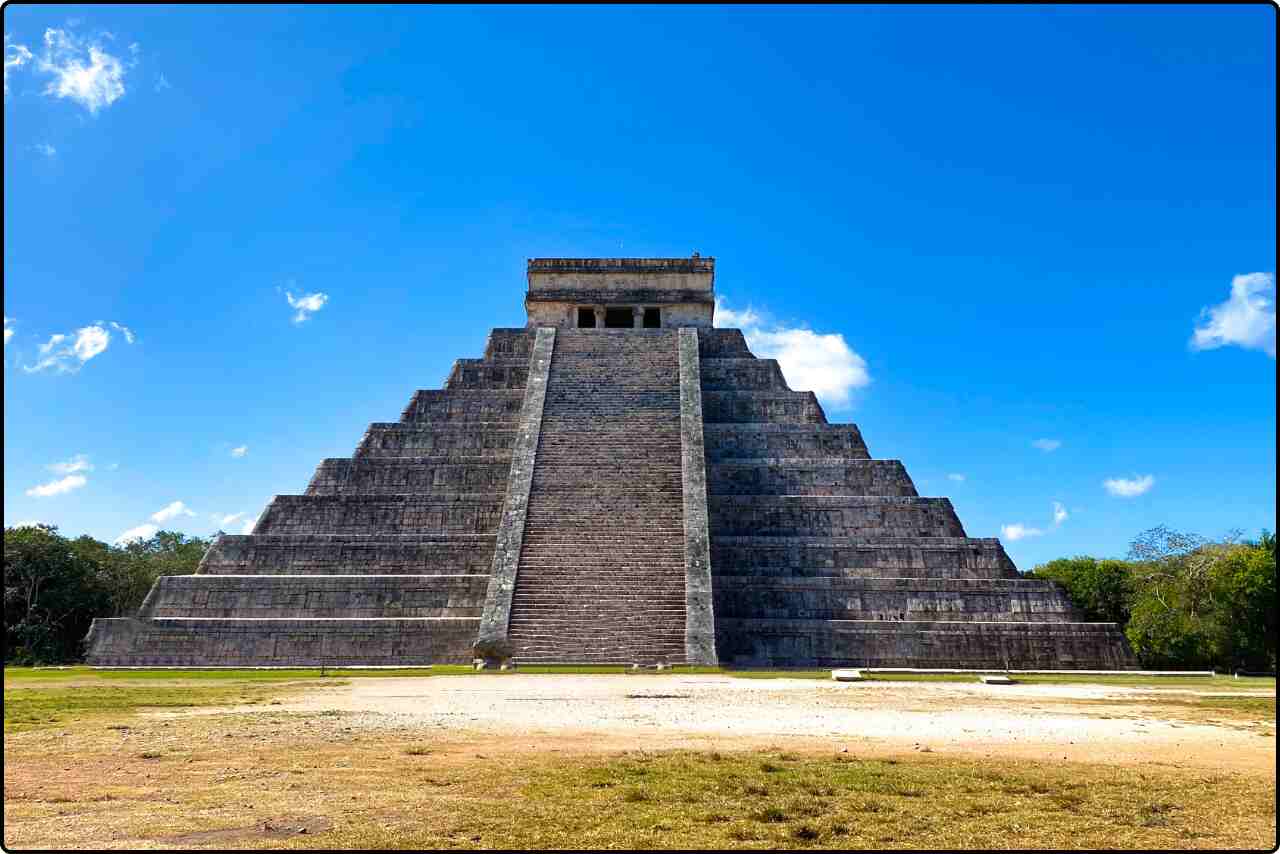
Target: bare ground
374, 761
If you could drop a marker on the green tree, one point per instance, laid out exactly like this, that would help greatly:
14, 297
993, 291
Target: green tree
1101, 589
51, 595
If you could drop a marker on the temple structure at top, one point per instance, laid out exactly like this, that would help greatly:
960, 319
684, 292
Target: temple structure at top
616, 482
621, 293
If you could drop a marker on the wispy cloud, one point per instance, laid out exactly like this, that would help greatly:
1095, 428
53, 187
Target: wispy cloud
77, 463
45, 149
15, 56
8, 329
820, 362
81, 70
171, 511
1059, 513
1129, 487
1047, 445
1247, 319
240, 451
58, 487
124, 330
958, 478
1018, 531
142, 532
306, 305
162, 83
66, 354
226, 521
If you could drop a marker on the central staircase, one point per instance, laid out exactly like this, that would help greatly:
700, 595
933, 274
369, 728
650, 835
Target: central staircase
601, 576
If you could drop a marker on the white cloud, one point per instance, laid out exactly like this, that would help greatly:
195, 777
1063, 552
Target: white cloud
821, 363
142, 532
1247, 319
1059, 513
1018, 531
66, 354
170, 511
57, 487
248, 525
226, 521
82, 71
306, 305
46, 149
15, 56
1047, 445
240, 451
1128, 488
8, 333
958, 478
77, 463
162, 83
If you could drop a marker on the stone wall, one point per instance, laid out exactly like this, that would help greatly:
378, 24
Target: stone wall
926, 644
328, 554
279, 643
302, 596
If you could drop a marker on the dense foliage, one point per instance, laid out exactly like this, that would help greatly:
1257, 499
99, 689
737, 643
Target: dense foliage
1183, 601
55, 586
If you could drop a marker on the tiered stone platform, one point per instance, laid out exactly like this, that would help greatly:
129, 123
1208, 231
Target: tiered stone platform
385, 559
823, 556
623, 493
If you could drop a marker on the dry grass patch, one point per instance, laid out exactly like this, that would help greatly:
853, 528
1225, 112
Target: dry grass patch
244, 781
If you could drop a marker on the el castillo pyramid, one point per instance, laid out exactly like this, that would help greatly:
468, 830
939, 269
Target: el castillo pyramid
618, 482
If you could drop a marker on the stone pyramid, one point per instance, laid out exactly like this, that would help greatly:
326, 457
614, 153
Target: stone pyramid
618, 482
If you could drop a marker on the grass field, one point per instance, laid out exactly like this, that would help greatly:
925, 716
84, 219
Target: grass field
88, 744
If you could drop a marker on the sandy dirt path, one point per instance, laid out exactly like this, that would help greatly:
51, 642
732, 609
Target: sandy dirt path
1043, 722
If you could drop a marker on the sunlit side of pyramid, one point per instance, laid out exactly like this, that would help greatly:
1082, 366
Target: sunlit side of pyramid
618, 482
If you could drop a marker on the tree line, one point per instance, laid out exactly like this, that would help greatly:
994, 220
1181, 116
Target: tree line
1183, 601
55, 586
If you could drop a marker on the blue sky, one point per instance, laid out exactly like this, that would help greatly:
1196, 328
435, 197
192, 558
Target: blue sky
973, 228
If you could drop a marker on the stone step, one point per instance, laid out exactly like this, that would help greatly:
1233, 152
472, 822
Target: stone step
474, 441
509, 343
127, 642
381, 514
929, 644
452, 406
329, 554
600, 575
907, 557
741, 374
722, 343
488, 374
832, 516
304, 596
392, 475
777, 407
810, 477
830, 598
728, 442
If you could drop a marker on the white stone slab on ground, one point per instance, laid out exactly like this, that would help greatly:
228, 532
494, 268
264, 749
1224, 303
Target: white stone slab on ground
847, 675
996, 679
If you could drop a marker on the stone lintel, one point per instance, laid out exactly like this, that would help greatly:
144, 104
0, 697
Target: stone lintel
700, 641
496, 618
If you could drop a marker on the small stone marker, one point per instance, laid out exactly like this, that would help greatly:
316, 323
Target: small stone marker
662, 666
996, 679
477, 663
847, 675
509, 665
